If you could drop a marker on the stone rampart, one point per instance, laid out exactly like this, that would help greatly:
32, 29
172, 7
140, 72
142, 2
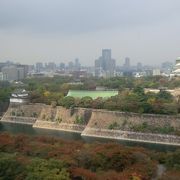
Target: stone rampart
94, 122
59, 126
132, 136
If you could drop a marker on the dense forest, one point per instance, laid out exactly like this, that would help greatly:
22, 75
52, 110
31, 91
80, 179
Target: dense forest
131, 97
48, 158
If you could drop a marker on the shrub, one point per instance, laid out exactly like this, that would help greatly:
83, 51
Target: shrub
79, 120
59, 120
113, 126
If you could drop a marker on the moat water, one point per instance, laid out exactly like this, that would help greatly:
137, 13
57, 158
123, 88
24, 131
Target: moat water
29, 130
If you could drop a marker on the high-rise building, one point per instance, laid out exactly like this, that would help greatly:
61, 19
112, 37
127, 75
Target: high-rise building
70, 65
106, 54
139, 67
98, 67
25, 67
77, 65
20, 73
39, 67
127, 63
105, 65
51, 66
127, 71
106, 58
62, 66
3, 77
13, 73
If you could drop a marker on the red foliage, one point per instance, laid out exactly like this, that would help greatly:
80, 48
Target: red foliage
5, 142
107, 161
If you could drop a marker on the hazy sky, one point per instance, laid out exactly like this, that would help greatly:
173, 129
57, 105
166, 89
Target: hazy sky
61, 30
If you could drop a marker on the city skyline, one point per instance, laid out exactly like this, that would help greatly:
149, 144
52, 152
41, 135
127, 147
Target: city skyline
60, 31
119, 62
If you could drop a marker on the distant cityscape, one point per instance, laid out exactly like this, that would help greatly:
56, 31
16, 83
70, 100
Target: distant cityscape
104, 66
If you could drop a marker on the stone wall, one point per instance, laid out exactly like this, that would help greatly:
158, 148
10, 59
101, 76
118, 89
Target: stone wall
93, 122
60, 118
59, 126
132, 136
19, 120
101, 121
103, 118
25, 114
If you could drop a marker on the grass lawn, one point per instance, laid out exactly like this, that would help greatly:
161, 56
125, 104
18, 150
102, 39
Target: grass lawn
92, 94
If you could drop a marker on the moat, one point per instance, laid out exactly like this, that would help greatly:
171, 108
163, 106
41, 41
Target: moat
29, 130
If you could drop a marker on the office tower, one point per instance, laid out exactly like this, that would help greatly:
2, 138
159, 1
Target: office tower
70, 65
51, 66
127, 70
13, 73
3, 77
25, 67
39, 67
62, 66
77, 65
127, 63
20, 73
105, 64
106, 58
98, 67
139, 66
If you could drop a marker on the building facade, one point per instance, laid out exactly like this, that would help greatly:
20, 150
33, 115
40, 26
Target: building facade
13, 73
105, 65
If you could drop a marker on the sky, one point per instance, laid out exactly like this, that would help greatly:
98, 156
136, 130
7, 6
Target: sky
147, 31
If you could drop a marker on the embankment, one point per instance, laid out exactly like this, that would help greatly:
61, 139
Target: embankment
160, 129
149, 128
132, 136
59, 118
59, 126
23, 114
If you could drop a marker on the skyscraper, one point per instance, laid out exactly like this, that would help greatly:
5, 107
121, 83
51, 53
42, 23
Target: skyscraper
106, 58
139, 66
105, 64
127, 71
127, 63
39, 67
13, 73
77, 65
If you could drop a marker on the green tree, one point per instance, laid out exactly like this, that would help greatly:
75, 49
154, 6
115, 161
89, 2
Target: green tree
10, 168
86, 102
173, 160
68, 101
40, 169
165, 96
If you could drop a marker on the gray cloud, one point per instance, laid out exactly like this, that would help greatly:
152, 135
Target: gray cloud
103, 21
76, 16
